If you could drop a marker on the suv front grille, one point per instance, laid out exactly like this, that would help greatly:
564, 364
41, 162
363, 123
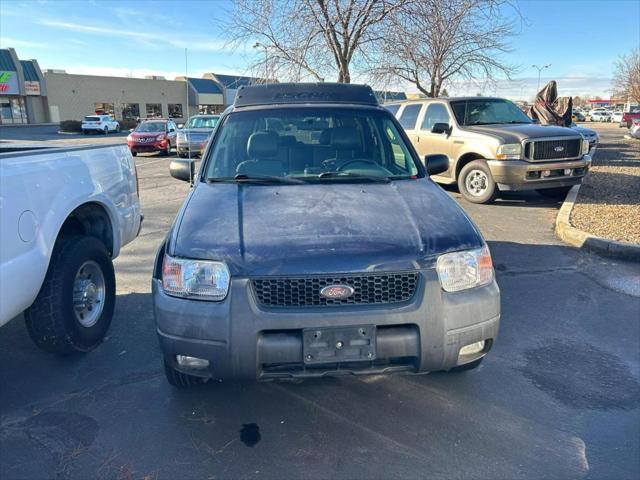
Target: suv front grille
369, 289
553, 149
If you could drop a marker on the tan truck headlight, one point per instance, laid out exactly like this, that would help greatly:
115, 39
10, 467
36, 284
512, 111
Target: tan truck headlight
509, 151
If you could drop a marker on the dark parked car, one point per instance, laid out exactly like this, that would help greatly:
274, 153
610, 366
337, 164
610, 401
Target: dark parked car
314, 243
157, 135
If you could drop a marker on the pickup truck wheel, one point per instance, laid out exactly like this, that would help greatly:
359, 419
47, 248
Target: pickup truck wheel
476, 183
74, 307
179, 379
467, 366
558, 192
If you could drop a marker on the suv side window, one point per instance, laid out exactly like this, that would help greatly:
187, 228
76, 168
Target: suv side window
409, 116
436, 113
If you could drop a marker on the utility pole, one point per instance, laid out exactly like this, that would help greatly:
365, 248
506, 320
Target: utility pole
539, 71
186, 83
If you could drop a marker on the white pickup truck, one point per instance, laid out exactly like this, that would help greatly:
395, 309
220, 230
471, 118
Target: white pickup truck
64, 215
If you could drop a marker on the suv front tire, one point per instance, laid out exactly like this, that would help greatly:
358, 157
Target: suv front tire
476, 183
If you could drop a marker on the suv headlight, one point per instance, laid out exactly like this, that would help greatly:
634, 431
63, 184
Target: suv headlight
585, 146
462, 270
181, 137
509, 151
196, 279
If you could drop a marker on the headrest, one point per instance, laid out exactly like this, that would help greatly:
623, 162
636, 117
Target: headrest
262, 145
288, 140
325, 137
346, 138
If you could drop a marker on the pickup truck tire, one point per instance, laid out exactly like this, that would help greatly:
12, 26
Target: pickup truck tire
80, 280
179, 379
476, 183
558, 192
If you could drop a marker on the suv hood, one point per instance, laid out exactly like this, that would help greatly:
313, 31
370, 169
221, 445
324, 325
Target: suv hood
516, 133
321, 228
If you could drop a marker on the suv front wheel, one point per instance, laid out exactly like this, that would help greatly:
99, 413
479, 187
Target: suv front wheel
476, 183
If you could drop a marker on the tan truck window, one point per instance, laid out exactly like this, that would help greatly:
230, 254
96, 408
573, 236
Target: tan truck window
409, 116
436, 113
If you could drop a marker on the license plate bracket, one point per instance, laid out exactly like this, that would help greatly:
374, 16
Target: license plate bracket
339, 344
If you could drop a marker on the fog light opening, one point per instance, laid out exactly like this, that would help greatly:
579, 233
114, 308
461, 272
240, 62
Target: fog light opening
472, 348
567, 171
546, 173
192, 362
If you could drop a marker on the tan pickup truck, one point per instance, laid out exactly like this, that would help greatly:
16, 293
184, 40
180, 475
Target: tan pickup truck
492, 146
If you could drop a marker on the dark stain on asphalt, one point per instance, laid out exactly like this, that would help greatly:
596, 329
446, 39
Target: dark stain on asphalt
582, 376
501, 267
250, 434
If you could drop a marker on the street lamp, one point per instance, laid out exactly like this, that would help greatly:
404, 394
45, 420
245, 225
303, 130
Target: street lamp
540, 70
266, 59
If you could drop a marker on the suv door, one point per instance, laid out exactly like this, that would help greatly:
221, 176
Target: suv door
434, 142
408, 118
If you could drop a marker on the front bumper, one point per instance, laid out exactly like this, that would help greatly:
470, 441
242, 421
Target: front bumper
147, 147
193, 147
521, 175
241, 339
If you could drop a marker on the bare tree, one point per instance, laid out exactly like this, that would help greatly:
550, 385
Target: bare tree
432, 42
626, 77
308, 39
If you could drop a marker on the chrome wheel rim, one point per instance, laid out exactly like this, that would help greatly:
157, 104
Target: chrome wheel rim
89, 293
477, 183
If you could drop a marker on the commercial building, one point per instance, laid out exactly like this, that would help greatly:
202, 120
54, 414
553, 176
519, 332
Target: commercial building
27, 95
22, 90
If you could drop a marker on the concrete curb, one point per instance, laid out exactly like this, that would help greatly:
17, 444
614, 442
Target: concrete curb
580, 239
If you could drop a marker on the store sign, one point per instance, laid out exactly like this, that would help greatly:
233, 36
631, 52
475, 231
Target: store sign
32, 88
9, 83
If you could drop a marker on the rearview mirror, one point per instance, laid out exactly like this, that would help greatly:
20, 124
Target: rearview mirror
440, 128
183, 169
436, 163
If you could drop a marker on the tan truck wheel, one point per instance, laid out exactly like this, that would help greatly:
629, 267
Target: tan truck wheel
476, 183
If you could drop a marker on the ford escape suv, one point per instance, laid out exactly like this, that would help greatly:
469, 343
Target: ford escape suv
492, 146
314, 243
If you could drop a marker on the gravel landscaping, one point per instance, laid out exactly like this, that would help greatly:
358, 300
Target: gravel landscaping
608, 204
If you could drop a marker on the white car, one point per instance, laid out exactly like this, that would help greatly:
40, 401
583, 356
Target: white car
64, 215
602, 116
597, 110
99, 123
617, 117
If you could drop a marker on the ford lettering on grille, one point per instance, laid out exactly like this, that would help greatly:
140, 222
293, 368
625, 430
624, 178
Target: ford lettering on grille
558, 149
337, 291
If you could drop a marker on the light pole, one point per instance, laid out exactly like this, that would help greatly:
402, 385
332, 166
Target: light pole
266, 59
540, 70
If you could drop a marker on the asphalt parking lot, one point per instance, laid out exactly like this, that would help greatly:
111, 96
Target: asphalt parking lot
558, 397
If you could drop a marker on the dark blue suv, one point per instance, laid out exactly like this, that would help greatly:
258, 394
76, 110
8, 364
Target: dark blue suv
314, 243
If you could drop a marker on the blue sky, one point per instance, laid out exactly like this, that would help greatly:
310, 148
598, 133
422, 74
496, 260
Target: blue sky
581, 39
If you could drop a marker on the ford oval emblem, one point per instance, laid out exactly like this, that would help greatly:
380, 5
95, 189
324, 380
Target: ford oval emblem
337, 292
558, 149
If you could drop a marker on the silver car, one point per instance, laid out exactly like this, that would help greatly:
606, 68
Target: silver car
195, 134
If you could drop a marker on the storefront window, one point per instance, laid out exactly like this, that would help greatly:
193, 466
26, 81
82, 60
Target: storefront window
130, 111
104, 109
154, 110
209, 109
175, 110
12, 110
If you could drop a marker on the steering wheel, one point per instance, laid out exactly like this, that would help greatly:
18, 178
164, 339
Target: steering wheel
362, 161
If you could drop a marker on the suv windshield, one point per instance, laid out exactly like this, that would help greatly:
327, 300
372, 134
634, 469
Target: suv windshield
151, 127
487, 111
310, 144
202, 122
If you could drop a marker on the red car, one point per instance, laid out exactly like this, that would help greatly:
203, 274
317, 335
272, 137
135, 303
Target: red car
629, 117
158, 135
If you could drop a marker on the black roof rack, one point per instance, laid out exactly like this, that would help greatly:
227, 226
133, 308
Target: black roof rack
286, 93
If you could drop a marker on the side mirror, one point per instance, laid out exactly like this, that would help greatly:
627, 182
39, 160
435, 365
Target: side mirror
440, 128
436, 163
172, 130
183, 169
131, 130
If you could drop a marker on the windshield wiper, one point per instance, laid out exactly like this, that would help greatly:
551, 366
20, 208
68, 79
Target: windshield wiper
369, 178
244, 178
